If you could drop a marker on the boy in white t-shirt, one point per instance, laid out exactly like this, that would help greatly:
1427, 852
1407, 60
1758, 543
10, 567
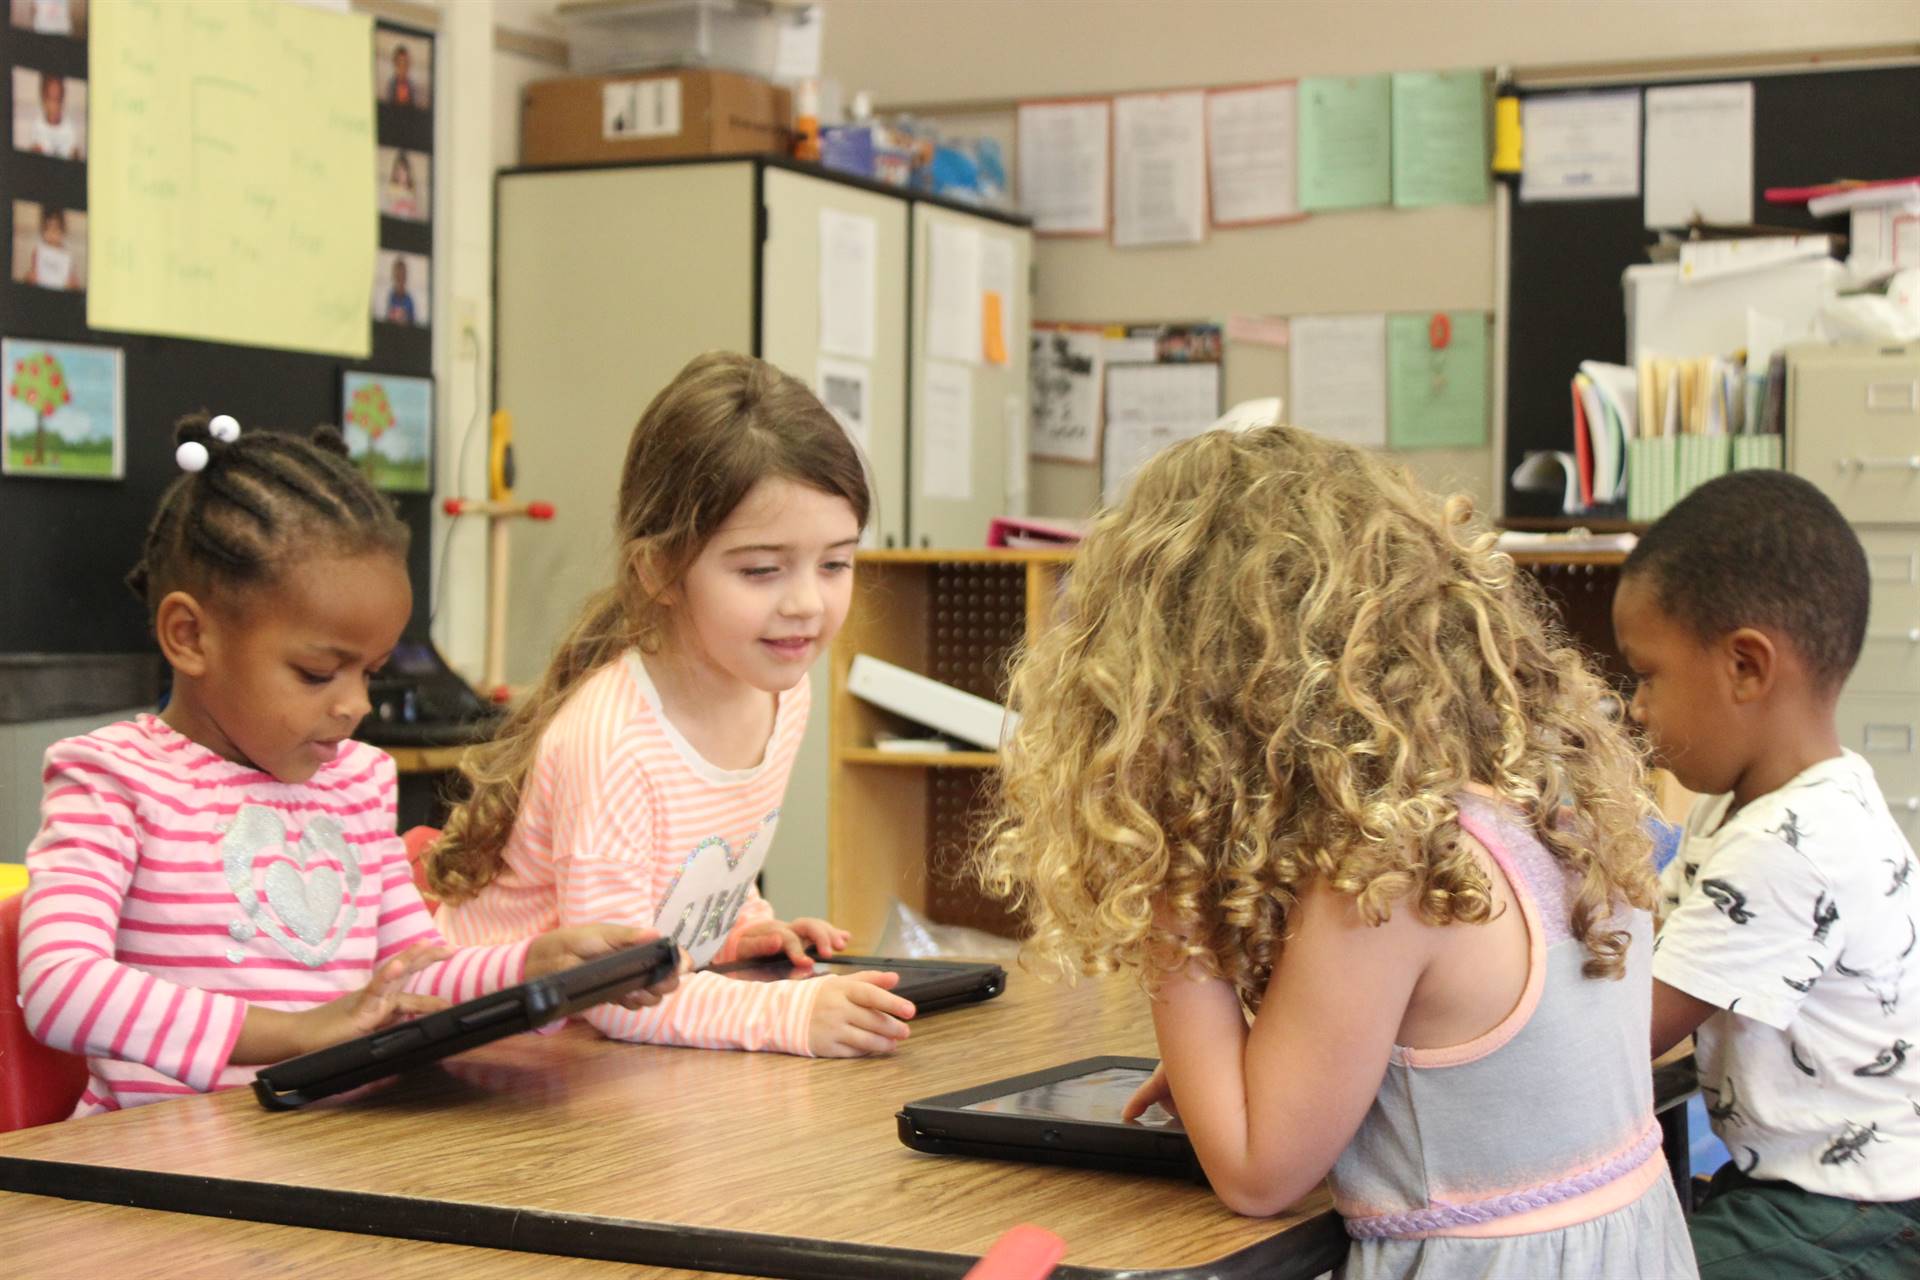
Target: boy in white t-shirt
53, 134
1788, 945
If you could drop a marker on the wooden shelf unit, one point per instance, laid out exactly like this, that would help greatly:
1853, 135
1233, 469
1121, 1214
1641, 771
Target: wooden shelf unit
901, 825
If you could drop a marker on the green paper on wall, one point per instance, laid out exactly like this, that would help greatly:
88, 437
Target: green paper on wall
1346, 142
1439, 138
1437, 395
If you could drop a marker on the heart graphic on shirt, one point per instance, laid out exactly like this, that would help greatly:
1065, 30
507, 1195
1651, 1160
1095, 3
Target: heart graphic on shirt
297, 899
308, 905
706, 893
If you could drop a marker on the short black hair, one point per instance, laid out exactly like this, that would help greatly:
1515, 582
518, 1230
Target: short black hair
1762, 549
259, 502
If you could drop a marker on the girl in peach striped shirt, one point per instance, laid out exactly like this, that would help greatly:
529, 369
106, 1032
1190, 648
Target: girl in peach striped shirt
641, 781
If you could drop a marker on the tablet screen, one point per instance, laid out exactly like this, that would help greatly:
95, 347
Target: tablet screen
1097, 1096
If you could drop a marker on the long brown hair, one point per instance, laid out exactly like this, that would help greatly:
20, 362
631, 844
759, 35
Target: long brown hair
1280, 662
725, 423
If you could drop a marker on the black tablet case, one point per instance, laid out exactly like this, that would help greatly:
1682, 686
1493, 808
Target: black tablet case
467, 1025
932, 985
942, 1125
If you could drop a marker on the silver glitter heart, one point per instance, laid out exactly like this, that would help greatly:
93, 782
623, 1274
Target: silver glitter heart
310, 908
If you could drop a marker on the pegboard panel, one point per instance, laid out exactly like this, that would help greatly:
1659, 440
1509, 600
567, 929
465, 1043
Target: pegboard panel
1582, 594
958, 810
977, 618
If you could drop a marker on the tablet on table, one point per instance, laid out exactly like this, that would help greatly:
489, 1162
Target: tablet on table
1068, 1115
467, 1025
932, 985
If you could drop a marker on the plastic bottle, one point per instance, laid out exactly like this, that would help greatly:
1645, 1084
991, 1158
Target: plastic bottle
806, 138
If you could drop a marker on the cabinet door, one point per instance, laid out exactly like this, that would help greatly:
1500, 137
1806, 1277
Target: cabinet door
797, 206
962, 474
607, 282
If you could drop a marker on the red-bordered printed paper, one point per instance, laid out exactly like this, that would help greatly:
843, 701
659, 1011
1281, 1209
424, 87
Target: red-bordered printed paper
1253, 154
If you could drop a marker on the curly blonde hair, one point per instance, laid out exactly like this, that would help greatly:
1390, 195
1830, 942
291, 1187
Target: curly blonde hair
1280, 661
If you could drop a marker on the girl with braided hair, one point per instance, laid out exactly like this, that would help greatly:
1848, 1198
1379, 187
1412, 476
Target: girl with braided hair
220, 886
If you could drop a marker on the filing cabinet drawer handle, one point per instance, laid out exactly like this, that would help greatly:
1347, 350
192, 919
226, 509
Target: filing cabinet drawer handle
1909, 463
1911, 635
1897, 738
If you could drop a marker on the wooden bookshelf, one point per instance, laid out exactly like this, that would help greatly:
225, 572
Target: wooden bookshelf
901, 825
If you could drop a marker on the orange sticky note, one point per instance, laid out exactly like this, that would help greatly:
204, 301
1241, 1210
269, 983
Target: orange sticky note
993, 341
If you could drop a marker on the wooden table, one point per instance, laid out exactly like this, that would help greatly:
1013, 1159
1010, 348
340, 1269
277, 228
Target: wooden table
735, 1162
45, 1237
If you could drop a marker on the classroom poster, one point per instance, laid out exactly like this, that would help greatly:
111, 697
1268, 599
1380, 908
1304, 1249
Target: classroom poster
1437, 375
231, 174
1441, 136
64, 411
1346, 141
387, 419
1064, 371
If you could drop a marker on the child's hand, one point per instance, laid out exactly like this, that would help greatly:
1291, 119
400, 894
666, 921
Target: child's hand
273, 1035
769, 937
1154, 1090
559, 949
857, 1014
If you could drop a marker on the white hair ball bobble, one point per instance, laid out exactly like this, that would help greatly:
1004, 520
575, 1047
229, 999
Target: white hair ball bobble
224, 428
192, 456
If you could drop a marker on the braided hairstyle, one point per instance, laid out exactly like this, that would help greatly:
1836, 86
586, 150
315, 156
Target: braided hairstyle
260, 501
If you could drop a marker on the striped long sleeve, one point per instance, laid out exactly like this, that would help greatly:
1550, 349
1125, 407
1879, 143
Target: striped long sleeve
623, 820
169, 890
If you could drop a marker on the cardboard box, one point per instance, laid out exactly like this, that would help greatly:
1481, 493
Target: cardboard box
652, 116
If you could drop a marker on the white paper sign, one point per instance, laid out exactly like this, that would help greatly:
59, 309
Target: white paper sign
1150, 406
1159, 169
640, 108
1700, 154
946, 462
953, 293
849, 250
1580, 146
1063, 150
1251, 144
1338, 368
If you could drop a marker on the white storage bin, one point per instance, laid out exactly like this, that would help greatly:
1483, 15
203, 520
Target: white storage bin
636, 35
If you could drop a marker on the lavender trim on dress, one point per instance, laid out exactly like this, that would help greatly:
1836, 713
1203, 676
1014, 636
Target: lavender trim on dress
1443, 1215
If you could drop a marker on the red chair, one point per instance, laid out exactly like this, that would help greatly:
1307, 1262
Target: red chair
38, 1085
418, 840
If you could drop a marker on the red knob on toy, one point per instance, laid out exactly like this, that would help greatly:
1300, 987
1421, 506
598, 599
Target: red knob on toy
540, 511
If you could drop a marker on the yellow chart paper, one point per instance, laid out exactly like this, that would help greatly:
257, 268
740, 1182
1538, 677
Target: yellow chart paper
230, 186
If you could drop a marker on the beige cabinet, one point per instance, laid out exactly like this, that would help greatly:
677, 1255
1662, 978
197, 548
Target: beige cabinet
1853, 429
608, 280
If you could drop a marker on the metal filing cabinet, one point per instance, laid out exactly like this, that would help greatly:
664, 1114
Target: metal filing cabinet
1853, 429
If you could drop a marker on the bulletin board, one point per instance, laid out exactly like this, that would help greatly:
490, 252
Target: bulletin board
69, 543
1564, 297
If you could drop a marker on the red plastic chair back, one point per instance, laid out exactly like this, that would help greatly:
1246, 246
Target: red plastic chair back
38, 1085
418, 840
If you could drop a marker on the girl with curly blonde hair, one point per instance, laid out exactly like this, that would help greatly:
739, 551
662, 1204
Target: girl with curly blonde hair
1305, 754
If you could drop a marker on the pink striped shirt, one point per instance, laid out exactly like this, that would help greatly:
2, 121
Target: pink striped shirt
623, 820
168, 889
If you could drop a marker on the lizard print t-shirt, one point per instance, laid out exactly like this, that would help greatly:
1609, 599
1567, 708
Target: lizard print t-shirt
1796, 917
